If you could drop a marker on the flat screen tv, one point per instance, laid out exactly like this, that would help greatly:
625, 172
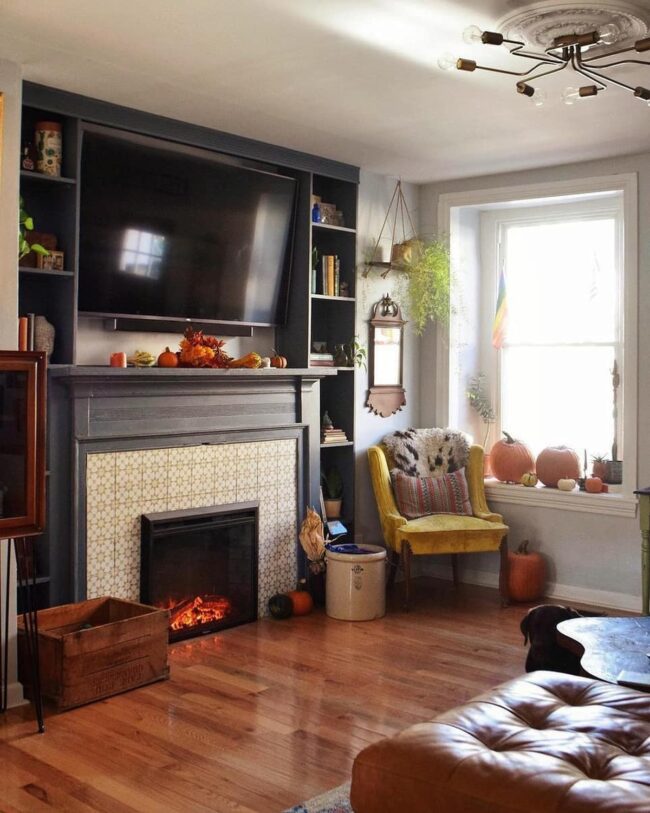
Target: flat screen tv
175, 232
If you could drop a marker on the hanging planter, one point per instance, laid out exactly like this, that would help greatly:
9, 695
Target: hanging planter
423, 265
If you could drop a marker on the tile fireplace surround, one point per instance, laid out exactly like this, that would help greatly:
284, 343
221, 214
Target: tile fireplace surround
123, 442
120, 486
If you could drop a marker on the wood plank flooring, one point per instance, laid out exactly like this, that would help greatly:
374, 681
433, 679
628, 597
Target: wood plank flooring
263, 716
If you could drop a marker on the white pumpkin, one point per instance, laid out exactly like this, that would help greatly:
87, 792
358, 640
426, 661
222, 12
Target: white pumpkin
566, 484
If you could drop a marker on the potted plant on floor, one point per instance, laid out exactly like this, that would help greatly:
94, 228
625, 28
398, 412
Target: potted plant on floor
332, 485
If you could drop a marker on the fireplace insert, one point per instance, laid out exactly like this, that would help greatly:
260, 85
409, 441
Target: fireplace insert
201, 565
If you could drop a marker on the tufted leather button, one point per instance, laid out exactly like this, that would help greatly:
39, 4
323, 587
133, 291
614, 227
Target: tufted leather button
544, 743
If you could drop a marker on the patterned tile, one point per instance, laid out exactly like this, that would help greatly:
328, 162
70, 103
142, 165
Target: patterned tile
124, 485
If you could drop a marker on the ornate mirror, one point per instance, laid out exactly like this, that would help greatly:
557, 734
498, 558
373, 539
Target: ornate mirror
386, 394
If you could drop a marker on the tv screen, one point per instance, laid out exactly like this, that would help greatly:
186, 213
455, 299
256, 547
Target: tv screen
175, 232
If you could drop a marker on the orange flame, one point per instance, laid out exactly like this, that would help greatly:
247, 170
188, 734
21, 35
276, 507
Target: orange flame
197, 611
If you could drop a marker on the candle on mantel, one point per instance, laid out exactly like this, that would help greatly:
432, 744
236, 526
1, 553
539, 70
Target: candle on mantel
118, 360
585, 472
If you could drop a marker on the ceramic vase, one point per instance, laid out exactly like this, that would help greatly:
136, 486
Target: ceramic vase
48, 148
44, 334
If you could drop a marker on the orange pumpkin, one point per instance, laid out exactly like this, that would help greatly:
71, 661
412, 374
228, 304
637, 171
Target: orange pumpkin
168, 359
557, 463
510, 460
278, 361
526, 574
594, 485
302, 602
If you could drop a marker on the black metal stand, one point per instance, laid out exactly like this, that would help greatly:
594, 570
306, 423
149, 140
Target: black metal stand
26, 579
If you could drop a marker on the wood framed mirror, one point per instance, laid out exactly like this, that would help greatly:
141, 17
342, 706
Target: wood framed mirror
22, 443
386, 394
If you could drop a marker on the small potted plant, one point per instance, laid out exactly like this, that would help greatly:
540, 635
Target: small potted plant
479, 400
598, 466
332, 485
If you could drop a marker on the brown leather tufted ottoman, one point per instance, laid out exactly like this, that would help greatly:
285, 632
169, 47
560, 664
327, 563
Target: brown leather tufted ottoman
541, 743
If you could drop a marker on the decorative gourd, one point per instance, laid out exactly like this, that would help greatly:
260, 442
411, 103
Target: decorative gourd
280, 606
594, 485
556, 463
302, 602
529, 479
566, 484
168, 359
250, 361
510, 460
278, 361
526, 574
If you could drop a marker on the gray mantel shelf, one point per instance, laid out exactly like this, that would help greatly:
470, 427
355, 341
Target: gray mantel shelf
99, 371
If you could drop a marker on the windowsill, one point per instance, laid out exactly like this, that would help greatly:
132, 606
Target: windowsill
614, 504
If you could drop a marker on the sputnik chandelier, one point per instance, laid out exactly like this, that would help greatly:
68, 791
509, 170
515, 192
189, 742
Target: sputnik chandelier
593, 39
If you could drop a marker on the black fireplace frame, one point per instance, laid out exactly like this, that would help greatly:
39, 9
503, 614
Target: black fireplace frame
163, 523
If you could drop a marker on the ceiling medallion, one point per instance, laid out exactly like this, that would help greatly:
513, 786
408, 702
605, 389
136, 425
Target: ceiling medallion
591, 38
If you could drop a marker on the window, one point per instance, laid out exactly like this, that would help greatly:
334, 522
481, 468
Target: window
568, 251
561, 347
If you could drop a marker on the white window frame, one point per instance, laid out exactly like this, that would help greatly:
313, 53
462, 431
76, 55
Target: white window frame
561, 192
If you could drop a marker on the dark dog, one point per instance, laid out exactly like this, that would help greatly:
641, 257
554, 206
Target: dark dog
539, 626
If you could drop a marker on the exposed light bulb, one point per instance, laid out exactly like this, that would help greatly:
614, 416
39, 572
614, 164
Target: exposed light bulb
540, 98
447, 62
570, 95
608, 34
473, 35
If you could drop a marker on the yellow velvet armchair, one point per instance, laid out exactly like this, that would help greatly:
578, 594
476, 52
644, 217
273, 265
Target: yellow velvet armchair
438, 533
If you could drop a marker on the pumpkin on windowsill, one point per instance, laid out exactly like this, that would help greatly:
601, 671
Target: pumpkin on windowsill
557, 463
510, 459
526, 574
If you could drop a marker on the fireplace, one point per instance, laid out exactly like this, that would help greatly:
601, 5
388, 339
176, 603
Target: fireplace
201, 564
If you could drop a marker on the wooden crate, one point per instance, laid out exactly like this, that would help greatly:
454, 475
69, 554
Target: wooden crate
125, 647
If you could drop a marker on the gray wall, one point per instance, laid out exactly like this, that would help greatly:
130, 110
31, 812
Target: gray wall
592, 557
375, 192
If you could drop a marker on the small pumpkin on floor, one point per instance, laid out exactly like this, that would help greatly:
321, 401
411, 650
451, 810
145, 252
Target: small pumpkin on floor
526, 574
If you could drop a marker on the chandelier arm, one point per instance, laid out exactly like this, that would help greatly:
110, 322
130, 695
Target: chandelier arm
548, 73
618, 62
512, 73
551, 59
584, 72
611, 53
593, 74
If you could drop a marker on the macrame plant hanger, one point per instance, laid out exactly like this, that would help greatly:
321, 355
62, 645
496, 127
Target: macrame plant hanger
400, 252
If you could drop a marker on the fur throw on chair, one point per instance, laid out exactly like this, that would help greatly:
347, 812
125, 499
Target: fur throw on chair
428, 452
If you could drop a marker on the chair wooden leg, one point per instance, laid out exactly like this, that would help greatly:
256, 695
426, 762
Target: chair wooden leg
406, 561
454, 568
393, 564
503, 572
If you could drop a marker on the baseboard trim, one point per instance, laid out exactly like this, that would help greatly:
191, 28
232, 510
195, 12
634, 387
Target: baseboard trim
565, 593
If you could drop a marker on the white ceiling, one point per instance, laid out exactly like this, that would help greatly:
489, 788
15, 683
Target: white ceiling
354, 80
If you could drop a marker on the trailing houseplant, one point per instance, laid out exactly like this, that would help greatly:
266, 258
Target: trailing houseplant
426, 282
25, 225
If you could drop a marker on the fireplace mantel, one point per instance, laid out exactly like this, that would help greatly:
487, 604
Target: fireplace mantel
104, 409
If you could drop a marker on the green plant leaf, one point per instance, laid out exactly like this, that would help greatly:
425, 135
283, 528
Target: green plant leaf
37, 248
28, 223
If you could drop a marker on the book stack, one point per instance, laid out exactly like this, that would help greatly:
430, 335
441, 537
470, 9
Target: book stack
330, 275
333, 435
26, 332
321, 360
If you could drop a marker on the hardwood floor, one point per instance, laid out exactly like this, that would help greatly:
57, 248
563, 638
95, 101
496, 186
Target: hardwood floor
263, 716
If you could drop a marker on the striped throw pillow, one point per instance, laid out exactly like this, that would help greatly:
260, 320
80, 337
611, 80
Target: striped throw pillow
420, 496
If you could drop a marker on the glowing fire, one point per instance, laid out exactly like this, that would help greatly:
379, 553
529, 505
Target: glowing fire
193, 612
